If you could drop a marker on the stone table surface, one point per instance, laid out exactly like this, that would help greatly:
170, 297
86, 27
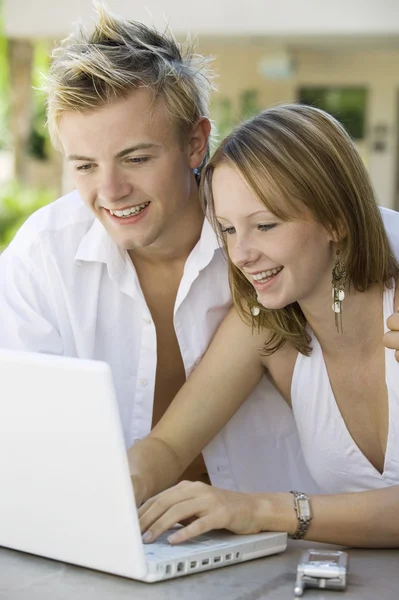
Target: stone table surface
374, 574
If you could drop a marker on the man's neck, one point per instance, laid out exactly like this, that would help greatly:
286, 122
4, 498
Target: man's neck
174, 248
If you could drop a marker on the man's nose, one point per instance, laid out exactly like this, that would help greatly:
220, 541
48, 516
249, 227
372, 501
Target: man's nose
113, 187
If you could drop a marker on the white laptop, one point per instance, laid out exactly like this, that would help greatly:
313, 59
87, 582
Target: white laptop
66, 491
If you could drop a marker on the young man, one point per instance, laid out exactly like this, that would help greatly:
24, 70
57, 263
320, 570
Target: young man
125, 269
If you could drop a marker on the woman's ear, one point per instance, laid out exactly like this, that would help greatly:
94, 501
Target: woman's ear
339, 234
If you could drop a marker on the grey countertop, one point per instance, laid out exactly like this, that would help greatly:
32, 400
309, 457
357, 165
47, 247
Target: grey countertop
374, 574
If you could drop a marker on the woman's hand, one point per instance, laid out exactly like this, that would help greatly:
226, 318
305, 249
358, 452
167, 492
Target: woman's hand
139, 488
206, 507
391, 338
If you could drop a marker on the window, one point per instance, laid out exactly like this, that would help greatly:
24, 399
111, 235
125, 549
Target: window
346, 104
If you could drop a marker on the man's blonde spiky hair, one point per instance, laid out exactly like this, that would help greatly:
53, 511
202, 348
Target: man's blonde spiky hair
89, 71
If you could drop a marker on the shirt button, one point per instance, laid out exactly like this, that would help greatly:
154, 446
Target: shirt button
143, 382
147, 320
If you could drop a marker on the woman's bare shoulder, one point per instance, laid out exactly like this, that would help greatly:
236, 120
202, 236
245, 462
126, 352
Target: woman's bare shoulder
280, 368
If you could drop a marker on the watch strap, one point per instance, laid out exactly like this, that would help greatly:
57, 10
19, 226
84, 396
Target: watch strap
303, 512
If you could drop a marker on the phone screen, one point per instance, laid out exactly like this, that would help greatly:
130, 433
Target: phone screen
324, 557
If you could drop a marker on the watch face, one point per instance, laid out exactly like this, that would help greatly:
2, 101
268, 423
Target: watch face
303, 506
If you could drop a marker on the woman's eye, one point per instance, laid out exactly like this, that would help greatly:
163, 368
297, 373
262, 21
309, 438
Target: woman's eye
266, 227
228, 230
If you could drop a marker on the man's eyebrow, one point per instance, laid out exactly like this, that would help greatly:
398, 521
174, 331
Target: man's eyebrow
143, 146
121, 154
78, 157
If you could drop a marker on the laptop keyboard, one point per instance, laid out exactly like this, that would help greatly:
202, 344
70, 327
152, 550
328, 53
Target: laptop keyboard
161, 549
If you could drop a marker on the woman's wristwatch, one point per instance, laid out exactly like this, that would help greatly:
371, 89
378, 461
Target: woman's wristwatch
303, 513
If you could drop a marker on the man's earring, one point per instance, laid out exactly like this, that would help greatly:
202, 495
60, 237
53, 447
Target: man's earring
338, 281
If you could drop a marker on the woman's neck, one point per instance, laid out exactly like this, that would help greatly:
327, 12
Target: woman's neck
362, 318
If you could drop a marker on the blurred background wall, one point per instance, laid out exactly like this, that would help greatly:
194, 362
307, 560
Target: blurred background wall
341, 55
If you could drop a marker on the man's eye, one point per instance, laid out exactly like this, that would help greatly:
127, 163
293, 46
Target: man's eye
84, 167
138, 160
266, 227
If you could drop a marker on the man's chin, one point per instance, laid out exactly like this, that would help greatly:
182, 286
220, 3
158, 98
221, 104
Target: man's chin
132, 245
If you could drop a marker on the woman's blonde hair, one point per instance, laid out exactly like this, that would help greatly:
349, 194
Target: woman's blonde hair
302, 154
89, 71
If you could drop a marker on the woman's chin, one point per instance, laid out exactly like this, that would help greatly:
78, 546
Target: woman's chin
268, 304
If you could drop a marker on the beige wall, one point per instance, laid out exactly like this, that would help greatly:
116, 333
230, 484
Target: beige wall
378, 70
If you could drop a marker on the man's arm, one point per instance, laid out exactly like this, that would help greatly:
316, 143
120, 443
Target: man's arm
26, 318
227, 374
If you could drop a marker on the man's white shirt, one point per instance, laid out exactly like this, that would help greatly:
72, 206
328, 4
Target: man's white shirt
67, 289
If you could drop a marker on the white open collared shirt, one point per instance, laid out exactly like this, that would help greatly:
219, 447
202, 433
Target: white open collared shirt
66, 288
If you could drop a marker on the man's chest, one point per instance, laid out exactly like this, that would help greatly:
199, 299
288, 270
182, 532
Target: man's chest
145, 329
160, 290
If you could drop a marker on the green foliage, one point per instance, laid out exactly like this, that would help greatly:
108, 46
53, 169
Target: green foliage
249, 105
16, 204
225, 118
4, 78
222, 116
39, 142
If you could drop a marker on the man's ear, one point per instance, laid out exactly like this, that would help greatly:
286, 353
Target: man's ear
197, 143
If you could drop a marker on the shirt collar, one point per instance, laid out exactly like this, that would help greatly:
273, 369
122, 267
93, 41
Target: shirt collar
98, 246
94, 245
208, 240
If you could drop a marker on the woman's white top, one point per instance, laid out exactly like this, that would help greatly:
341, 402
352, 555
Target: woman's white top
334, 460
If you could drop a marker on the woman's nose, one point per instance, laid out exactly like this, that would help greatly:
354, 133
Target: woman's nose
243, 253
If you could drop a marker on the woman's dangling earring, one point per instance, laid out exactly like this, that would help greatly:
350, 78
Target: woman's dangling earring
254, 307
339, 275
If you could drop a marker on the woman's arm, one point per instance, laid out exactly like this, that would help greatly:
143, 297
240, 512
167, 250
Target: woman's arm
391, 338
227, 374
364, 519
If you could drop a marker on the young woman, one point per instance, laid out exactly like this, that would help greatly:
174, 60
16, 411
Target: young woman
313, 279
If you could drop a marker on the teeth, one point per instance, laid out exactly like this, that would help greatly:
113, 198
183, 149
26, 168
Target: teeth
266, 274
127, 212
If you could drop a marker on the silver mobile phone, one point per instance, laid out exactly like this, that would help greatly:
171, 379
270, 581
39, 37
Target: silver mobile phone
327, 569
